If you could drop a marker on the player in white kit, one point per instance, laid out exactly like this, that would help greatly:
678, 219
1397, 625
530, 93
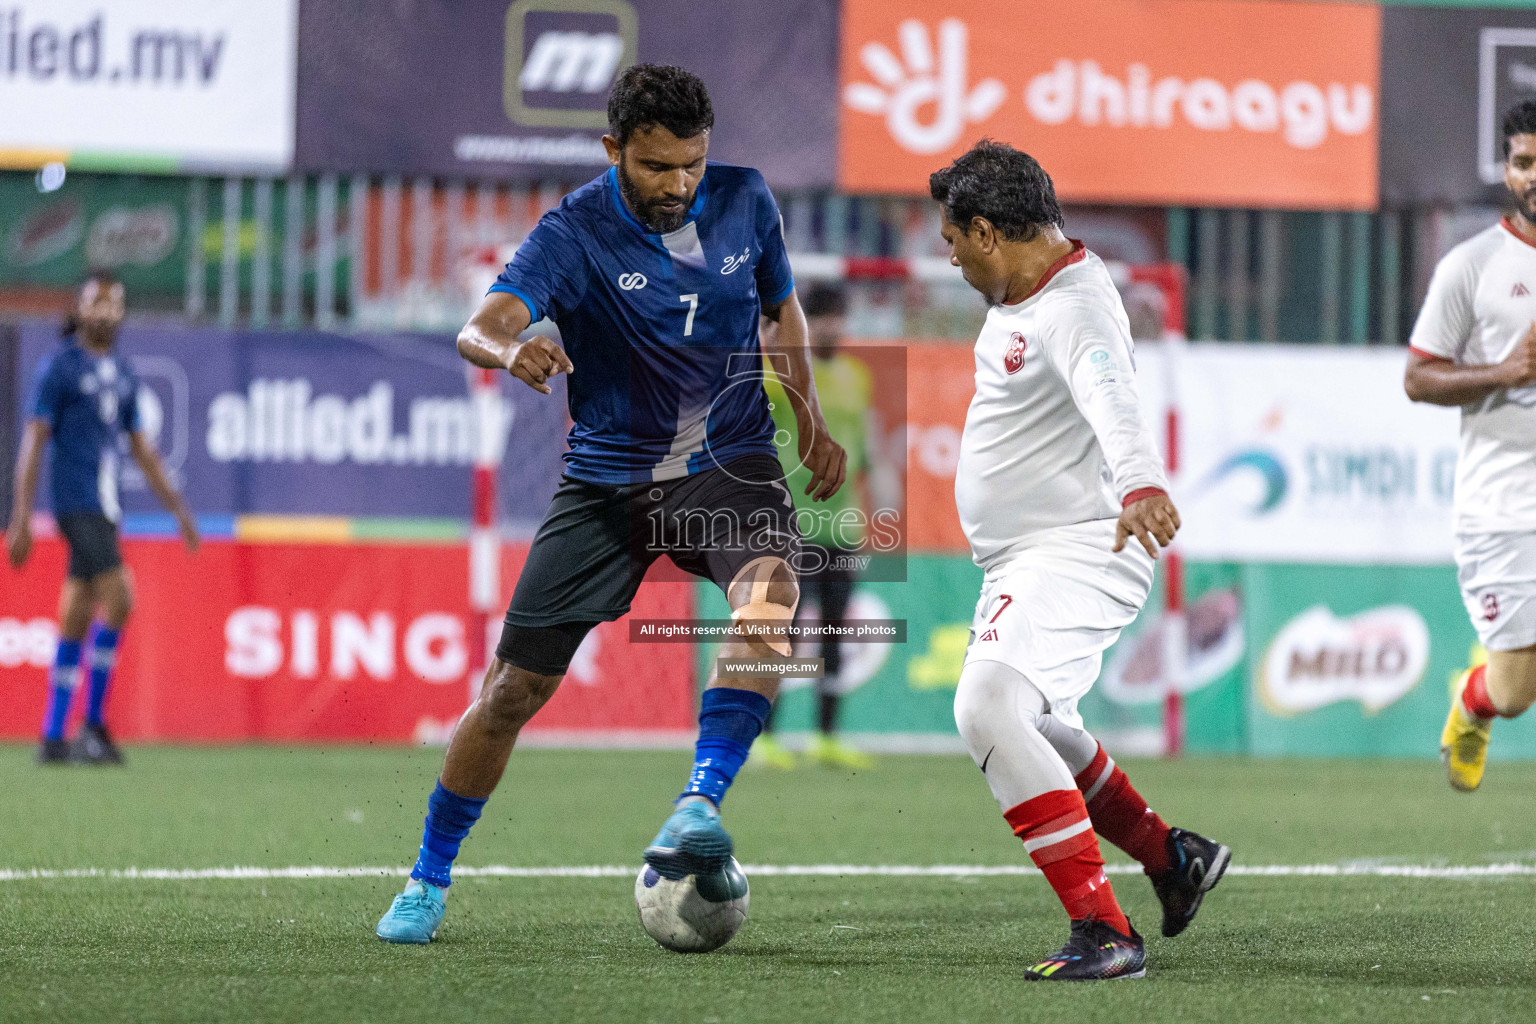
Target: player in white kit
1474, 345
1062, 496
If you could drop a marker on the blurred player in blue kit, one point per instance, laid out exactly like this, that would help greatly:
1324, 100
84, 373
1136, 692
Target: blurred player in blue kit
655, 273
85, 404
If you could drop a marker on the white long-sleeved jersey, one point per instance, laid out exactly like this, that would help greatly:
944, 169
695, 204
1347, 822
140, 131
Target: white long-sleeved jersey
1055, 434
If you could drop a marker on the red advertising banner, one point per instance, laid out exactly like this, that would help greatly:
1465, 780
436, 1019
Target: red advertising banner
325, 642
1201, 102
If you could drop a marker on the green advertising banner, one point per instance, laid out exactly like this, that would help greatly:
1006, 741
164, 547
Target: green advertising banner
137, 227
1125, 708
1328, 661
133, 225
1348, 661
898, 696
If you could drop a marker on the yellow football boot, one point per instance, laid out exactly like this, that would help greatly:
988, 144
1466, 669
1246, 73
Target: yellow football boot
1464, 743
768, 753
828, 752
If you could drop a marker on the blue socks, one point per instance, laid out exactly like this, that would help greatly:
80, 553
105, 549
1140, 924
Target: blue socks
103, 657
61, 687
449, 817
65, 677
729, 720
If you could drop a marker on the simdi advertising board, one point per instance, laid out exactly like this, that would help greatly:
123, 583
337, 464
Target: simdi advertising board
159, 85
1259, 104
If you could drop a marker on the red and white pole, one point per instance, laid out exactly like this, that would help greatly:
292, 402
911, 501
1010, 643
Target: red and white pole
1175, 624
484, 536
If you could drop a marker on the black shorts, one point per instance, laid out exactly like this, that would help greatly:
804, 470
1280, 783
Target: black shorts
92, 539
598, 540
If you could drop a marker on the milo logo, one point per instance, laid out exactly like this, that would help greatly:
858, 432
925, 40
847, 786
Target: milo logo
141, 237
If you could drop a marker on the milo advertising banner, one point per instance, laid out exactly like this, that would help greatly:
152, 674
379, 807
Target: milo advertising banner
140, 227
132, 225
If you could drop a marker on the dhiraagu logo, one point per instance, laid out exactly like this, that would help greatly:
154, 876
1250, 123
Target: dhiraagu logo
1260, 474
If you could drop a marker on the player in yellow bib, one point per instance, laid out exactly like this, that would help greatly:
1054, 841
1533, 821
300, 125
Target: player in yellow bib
834, 530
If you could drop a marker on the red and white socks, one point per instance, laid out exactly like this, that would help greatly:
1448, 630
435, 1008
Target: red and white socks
996, 711
1474, 696
1121, 815
1059, 837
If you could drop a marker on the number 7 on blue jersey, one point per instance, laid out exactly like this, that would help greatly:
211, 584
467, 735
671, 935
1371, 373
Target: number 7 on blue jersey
693, 307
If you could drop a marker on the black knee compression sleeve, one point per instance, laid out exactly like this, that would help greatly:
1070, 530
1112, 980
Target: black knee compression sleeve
542, 650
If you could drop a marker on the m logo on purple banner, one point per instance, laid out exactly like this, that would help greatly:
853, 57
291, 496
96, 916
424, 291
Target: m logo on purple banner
1506, 75
561, 57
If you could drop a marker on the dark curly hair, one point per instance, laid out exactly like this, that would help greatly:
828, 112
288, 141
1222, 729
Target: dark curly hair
651, 95
1519, 119
996, 181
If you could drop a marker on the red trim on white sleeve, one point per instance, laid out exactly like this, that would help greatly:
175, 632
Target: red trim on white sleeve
1428, 355
1140, 494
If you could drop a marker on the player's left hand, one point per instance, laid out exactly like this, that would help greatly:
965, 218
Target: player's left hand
1153, 517
825, 459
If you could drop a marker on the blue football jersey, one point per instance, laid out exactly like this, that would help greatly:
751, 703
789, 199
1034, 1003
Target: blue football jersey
662, 329
90, 402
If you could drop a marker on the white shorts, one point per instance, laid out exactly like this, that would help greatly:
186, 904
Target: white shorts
1052, 610
1497, 573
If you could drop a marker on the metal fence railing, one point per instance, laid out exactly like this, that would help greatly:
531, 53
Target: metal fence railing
398, 253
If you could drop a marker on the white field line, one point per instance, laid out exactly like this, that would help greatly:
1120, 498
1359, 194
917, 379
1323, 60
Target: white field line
763, 871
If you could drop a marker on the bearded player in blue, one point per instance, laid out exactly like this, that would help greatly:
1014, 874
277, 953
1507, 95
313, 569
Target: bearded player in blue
656, 274
85, 406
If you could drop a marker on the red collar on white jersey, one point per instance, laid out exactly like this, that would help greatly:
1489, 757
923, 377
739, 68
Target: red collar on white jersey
1507, 225
1075, 256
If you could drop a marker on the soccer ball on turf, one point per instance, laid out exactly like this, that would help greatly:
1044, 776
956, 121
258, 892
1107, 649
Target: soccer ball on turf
696, 914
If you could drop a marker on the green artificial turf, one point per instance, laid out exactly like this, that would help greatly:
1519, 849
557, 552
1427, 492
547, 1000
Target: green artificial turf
828, 948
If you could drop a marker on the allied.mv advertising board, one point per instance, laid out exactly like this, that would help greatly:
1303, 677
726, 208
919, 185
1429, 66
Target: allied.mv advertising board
149, 85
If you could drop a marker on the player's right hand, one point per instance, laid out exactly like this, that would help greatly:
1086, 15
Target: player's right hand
1151, 519
536, 360
826, 460
1520, 365
18, 544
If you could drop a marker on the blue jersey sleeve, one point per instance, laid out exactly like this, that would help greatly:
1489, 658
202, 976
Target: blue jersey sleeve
49, 392
548, 271
774, 278
128, 411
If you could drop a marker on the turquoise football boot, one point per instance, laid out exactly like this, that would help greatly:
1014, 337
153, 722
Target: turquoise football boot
692, 842
415, 914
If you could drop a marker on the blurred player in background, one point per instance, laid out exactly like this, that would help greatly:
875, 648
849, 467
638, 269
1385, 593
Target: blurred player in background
656, 273
832, 531
1057, 473
85, 402
1474, 345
